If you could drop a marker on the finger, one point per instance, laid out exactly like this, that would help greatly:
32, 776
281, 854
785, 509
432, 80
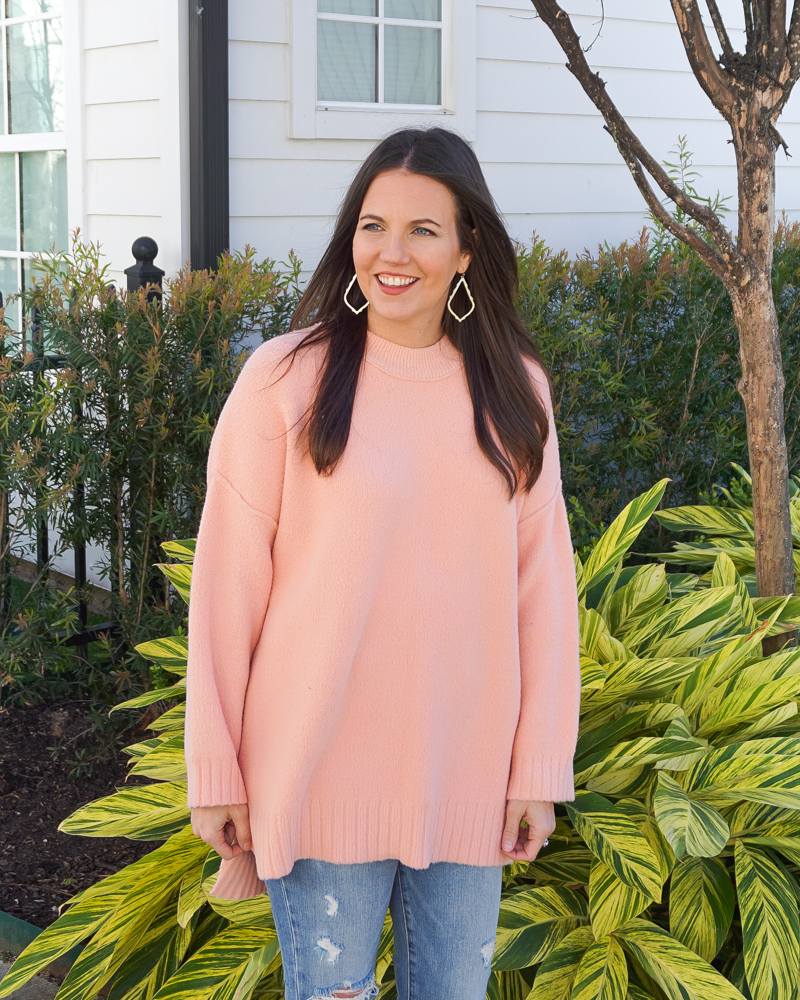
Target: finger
242, 824
514, 812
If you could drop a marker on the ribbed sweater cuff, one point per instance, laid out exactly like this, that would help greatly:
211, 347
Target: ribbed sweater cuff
238, 878
542, 779
214, 782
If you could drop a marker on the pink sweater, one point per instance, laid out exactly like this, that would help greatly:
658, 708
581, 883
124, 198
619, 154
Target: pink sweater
378, 658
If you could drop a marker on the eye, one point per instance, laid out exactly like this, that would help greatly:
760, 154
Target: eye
369, 226
422, 229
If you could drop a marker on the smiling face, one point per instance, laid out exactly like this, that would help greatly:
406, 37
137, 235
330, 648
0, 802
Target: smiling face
406, 252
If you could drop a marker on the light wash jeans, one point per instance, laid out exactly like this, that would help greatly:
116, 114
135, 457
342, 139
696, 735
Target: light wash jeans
329, 919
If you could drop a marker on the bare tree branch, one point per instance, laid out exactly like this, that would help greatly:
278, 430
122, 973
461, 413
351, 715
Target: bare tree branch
725, 255
793, 45
684, 233
722, 32
719, 86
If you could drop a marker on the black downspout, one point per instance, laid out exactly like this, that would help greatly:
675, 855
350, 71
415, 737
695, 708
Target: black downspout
208, 131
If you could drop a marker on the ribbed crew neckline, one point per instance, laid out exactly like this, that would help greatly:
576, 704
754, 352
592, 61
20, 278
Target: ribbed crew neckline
425, 363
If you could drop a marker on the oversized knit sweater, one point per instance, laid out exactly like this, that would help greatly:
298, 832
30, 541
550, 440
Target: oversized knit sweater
380, 657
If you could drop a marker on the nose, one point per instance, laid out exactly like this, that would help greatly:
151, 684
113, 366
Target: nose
394, 250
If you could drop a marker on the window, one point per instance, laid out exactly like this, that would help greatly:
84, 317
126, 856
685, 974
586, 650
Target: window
33, 170
361, 68
379, 51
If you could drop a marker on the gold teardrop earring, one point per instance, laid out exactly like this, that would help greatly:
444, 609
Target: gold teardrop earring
471, 309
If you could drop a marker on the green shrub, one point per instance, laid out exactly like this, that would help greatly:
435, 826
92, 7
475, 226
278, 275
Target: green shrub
674, 873
129, 415
644, 355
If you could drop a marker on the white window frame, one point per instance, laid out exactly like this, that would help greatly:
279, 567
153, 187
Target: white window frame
313, 119
29, 142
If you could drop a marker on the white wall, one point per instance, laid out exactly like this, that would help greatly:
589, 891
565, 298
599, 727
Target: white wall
135, 129
547, 158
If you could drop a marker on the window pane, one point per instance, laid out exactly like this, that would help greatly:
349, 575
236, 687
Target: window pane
34, 77
9, 286
368, 8
346, 56
413, 65
44, 200
415, 10
8, 203
27, 8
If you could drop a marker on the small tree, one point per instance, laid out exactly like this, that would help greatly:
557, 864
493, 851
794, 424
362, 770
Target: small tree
749, 90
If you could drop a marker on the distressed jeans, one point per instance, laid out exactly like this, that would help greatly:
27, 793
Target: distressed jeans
329, 919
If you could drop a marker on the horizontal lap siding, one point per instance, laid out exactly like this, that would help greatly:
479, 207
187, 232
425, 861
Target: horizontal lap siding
551, 166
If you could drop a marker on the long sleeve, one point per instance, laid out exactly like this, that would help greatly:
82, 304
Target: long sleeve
544, 744
231, 580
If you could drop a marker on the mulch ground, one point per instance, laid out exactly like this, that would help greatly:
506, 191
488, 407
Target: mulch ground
40, 868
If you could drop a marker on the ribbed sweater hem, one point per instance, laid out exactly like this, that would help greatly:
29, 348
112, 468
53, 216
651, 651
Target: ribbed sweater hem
542, 779
347, 832
215, 783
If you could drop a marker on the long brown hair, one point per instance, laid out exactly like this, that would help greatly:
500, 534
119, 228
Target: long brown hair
491, 341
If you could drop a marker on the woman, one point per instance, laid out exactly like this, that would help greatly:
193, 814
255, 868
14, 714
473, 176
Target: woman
383, 631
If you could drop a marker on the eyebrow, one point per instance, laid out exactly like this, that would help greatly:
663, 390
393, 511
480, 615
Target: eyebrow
414, 222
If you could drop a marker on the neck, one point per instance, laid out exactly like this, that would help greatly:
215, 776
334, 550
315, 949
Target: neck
409, 333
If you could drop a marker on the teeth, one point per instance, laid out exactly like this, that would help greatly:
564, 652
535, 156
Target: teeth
389, 279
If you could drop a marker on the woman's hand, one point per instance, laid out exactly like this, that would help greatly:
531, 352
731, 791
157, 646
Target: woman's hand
524, 843
225, 828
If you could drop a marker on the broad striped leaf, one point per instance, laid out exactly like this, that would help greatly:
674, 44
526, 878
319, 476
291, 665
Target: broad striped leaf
724, 575
789, 846
770, 924
173, 719
644, 750
149, 812
501, 986
766, 724
179, 575
87, 912
116, 940
621, 534
177, 690
605, 734
648, 825
643, 679
568, 867
182, 549
557, 972
642, 594
171, 652
709, 520
701, 902
593, 676
680, 973
750, 703
192, 897
532, 922
157, 956
614, 839
166, 761
225, 959
713, 670
682, 625
602, 973
690, 826
611, 902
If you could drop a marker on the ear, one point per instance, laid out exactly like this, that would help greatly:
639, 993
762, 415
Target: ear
466, 257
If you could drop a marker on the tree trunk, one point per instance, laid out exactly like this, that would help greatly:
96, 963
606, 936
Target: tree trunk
762, 381
761, 388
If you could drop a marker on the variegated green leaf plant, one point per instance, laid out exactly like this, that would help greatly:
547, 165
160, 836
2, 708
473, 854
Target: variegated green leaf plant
673, 875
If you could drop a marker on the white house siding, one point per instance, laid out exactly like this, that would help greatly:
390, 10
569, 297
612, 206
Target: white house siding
550, 164
135, 122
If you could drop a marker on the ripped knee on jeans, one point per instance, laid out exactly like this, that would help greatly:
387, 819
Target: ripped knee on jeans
364, 989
